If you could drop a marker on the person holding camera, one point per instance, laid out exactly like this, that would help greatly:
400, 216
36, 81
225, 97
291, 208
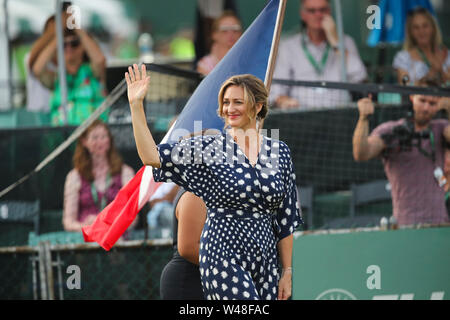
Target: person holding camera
85, 66
412, 151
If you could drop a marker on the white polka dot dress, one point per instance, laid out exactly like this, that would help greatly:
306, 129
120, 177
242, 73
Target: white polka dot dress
250, 208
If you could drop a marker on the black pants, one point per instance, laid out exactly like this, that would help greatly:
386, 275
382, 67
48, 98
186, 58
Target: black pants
180, 280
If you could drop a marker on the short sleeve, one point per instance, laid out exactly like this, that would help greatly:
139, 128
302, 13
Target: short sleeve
356, 70
439, 125
385, 132
282, 71
288, 215
402, 60
181, 163
383, 129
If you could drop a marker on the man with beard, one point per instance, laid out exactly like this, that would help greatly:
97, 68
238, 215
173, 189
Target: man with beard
413, 153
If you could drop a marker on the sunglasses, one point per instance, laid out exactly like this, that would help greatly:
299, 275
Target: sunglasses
322, 10
72, 43
235, 28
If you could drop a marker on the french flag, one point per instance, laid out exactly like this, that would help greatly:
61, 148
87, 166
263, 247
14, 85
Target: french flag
254, 53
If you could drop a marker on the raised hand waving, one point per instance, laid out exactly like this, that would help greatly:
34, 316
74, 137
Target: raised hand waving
137, 83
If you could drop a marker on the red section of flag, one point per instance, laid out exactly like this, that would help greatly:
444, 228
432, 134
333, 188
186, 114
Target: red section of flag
115, 219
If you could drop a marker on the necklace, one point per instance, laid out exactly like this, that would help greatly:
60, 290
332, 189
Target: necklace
424, 57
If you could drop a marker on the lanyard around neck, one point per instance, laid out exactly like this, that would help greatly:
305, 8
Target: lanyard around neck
424, 57
433, 149
94, 193
318, 67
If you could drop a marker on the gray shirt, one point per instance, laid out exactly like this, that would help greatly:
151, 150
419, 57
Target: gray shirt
416, 194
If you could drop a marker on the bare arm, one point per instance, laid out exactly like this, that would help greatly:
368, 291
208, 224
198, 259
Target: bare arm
191, 215
286, 102
41, 43
201, 70
47, 39
329, 27
95, 54
365, 147
447, 133
401, 74
444, 104
285, 246
138, 82
39, 66
71, 196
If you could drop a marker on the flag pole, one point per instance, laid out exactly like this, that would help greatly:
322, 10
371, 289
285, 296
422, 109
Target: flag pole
274, 49
61, 60
340, 27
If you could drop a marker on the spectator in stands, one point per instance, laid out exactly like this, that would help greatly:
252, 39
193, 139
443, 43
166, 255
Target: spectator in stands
423, 54
226, 31
161, 206
97, 177
314, 55
413, 166
85, 74
206, 12
180, 278
38, 95
444, 104
447, 177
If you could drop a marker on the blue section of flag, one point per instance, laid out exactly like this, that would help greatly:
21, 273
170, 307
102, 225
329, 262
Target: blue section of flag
393, 20
249, 55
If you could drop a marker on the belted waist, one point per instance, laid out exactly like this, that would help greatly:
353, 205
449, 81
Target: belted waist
237, 213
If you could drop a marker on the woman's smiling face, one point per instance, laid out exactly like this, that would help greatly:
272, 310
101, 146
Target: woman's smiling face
97, 141
422, 30
234, 108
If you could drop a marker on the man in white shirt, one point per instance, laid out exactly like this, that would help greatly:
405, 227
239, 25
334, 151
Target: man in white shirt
314, 55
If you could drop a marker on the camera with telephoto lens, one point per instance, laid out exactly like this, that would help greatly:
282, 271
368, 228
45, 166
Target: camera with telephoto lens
405, 135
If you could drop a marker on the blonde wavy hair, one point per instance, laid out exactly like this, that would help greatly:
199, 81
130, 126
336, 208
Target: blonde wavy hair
255, 92
436, 39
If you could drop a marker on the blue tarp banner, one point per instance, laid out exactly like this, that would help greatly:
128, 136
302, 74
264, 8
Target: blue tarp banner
393, 14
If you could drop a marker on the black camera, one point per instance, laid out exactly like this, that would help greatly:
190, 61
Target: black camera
405, 135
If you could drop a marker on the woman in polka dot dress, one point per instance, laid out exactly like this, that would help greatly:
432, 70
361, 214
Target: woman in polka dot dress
247, 182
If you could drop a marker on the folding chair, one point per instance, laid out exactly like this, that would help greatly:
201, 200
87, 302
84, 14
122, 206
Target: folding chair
26, 212
369, 192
